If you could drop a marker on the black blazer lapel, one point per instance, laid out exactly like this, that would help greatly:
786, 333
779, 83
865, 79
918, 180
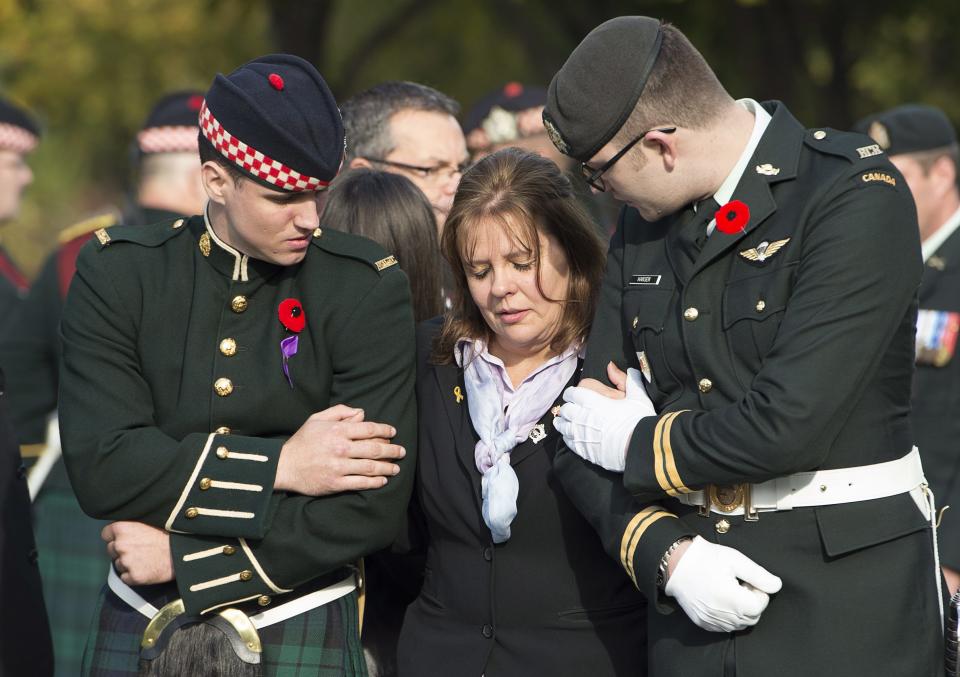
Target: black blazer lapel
453, 394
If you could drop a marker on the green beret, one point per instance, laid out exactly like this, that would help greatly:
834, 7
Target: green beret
910, 128
595, 91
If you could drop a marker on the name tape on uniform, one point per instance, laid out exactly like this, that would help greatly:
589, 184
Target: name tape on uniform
638, 280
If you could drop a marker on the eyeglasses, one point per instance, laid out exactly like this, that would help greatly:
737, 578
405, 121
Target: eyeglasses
594, 176
443, 170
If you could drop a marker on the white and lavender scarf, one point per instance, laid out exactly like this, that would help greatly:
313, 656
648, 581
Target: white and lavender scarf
503, 417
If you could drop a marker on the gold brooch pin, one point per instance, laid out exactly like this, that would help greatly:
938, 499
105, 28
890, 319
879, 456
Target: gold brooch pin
458, 394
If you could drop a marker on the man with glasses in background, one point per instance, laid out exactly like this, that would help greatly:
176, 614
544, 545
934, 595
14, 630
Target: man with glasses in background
409, 129
762, 289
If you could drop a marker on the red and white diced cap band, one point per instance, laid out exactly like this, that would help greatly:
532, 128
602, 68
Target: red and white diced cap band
17, 139
170, 139
253, 161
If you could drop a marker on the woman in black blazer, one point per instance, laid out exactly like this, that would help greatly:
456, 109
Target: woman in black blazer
517, 583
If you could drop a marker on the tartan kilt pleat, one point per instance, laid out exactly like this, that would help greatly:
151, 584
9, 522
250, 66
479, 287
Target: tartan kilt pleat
323, 642
73, 564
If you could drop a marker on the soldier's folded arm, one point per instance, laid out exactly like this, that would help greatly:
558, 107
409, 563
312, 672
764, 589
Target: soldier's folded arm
852, 288
308, 536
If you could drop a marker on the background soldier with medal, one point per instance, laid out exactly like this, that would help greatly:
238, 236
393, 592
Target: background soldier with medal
922, 144
761, 287
237, 393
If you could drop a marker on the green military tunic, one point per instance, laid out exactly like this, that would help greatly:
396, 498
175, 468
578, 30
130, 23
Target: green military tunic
175, 405
786, 347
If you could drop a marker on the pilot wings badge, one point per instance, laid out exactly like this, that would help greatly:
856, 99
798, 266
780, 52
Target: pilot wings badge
764, 250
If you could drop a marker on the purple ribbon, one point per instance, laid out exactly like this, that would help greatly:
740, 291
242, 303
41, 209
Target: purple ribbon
288, 348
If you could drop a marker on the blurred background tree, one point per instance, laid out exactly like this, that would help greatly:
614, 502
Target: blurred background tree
90, 69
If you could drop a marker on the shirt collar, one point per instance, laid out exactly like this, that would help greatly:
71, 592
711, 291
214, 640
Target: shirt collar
761, 119
476, 348
932, 243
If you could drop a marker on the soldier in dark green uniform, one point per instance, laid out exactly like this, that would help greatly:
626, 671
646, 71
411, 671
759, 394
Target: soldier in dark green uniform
922, 144
237, 392
18, 136
73, 562
761, 287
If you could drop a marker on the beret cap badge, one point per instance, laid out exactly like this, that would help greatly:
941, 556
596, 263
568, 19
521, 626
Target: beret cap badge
878, 132
555, 136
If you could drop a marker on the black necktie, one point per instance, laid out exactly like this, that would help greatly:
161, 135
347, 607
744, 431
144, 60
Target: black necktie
692, 232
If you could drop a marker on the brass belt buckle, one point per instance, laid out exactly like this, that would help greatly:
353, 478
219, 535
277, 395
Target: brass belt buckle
727, 498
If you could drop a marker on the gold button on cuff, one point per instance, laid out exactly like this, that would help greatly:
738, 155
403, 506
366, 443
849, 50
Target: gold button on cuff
205, 483
246, 575
705, 385
191, 513
228, 347
222, 430
229, 550
317, 232
691, 314
263, 600
238, 304
761, 304
223, 386
819, 134
222, 452
722, 526
636, 321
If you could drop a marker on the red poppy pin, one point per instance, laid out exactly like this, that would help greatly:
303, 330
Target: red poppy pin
732, 217
294, 319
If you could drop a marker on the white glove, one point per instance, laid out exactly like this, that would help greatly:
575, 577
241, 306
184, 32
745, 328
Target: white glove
721, 589
598, 428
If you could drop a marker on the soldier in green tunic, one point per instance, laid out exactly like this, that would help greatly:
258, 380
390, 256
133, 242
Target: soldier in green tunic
237, 393
71, 555
762, 288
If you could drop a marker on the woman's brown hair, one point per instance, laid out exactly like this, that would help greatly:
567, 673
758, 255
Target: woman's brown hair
527, 195
390, 210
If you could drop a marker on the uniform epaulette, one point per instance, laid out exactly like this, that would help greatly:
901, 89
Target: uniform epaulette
854, 147
86, 226
354, 246
152, 235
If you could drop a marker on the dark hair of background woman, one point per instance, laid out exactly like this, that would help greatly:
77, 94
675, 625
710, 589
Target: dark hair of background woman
390, 210
527, 194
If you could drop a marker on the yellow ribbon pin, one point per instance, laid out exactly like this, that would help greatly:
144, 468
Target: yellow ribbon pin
458, 394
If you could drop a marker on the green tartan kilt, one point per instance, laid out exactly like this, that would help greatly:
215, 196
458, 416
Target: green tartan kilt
73, 565
323, 642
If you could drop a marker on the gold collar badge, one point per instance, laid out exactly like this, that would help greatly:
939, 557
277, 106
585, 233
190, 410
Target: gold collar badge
767, 169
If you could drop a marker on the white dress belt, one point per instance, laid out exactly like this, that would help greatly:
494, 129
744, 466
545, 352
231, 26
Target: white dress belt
830, 487
279, 613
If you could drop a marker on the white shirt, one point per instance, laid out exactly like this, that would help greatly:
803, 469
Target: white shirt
761, 120
932, 243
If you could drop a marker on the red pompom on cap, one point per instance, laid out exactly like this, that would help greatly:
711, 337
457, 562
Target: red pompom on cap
513, 89
195, 102
276, 81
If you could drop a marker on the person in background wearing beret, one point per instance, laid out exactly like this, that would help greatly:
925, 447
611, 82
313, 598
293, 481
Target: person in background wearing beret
922, 144
517, 584
19, 135
390, 210
25, 646
409, 129
761, 292
237, 398
72, 560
